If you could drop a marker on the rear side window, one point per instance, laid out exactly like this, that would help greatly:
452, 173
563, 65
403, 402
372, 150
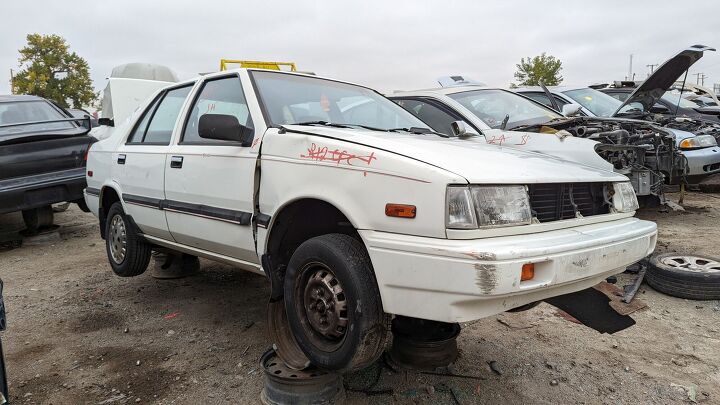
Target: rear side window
219, 96
159, 120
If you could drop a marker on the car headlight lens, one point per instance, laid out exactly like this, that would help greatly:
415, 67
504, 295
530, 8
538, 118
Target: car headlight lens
487, 206
702, 141
624, 198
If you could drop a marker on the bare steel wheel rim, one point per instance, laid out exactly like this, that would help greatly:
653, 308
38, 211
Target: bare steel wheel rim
325, 306
692, 263
117, 239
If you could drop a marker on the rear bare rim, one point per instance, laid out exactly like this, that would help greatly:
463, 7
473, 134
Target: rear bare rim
325, 305
117, 239
284, 385
128, 253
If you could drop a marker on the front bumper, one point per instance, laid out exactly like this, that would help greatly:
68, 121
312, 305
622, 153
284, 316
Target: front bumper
462, 280
703, 161
39, 190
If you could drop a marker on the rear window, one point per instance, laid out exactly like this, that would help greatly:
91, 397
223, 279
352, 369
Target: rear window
30, 111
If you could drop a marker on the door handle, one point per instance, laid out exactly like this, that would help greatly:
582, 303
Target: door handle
121, 159
176, 162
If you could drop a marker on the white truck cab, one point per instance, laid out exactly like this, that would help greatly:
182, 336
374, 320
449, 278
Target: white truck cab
353, 207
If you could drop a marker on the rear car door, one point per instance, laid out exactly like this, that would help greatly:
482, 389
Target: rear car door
209, 184
139, 164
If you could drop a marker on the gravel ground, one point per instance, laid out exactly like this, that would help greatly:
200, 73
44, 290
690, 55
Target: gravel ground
78, 334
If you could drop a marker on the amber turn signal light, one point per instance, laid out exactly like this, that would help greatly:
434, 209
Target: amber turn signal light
528, 271
400, 210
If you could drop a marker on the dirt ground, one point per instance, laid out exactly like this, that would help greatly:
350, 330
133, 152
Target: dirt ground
78, 334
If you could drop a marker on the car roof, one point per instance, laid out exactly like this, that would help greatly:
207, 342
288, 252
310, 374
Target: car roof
440, 90
19, 97
228, 71
553, 89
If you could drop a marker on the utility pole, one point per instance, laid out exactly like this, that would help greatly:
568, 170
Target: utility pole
12, 82
702, 79
630, 74
699, 77
652, 68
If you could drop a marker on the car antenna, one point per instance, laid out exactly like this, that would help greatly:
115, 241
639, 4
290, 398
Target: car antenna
550, 96
505, 121
677, 107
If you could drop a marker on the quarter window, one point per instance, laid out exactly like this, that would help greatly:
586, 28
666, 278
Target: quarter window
157, 124
219, 96
438, 119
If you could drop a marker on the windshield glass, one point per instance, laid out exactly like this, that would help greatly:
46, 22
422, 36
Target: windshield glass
673, 97
30, 111
492, 105
599, 103
292, 99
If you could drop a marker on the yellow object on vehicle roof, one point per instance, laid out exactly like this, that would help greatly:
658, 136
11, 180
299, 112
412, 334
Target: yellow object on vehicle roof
258, 64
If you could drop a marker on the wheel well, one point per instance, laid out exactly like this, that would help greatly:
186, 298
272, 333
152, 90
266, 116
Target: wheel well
296, 223
108, 197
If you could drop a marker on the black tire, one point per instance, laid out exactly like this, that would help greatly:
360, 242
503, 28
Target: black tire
365, 325
137, 252
38, 218
678, 280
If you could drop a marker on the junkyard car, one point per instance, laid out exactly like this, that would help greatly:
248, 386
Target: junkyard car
42, 158
701, 151
645, 153
3, 378
354, 208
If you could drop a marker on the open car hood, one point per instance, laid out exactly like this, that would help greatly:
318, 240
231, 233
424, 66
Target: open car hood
650, 91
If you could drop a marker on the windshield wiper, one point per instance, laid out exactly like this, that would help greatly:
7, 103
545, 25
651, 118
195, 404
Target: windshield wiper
323, 123
418, 131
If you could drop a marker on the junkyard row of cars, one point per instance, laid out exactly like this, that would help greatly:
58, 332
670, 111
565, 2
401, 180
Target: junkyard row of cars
447, 204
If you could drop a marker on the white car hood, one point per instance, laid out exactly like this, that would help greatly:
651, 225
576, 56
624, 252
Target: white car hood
472, 158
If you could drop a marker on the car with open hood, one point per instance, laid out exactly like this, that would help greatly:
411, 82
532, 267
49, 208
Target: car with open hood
701, 152
651, 101
354, 208
642, 151
42, 158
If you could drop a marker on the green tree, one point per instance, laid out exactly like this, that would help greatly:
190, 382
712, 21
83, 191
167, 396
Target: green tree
540, 69
50, 70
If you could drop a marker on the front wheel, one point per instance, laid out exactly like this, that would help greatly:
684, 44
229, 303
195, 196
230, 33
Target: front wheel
333, 303
129, 255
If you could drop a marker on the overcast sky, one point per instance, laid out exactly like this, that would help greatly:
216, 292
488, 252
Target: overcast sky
384, 44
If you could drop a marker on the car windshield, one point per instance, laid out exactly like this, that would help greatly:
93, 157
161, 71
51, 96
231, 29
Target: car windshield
597, 102
30, 111
492, 105
294, 99
673, 98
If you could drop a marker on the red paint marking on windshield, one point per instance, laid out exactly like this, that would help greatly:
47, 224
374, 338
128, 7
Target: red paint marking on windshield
323, 154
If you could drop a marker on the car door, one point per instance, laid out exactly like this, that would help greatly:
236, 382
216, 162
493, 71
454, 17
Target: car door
139, 163
209, 184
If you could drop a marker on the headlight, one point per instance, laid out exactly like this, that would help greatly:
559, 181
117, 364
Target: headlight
702, 141
624, 198
487, 206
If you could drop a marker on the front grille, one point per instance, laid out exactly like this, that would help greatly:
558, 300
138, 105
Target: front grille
554, 201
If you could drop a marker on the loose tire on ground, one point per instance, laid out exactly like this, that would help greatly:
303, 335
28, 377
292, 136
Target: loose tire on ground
685, 276
331, 276
127, 253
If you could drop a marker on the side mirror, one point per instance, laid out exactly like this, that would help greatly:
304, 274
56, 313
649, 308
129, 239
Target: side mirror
106, 121
224, 127
460, 129
571, 110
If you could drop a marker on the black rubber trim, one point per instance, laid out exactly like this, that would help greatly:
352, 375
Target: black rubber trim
220, 214
93, 191
263, 220
237, 217
145, 201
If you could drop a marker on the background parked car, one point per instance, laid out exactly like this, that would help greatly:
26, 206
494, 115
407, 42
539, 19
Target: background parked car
702, 152
42, 158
